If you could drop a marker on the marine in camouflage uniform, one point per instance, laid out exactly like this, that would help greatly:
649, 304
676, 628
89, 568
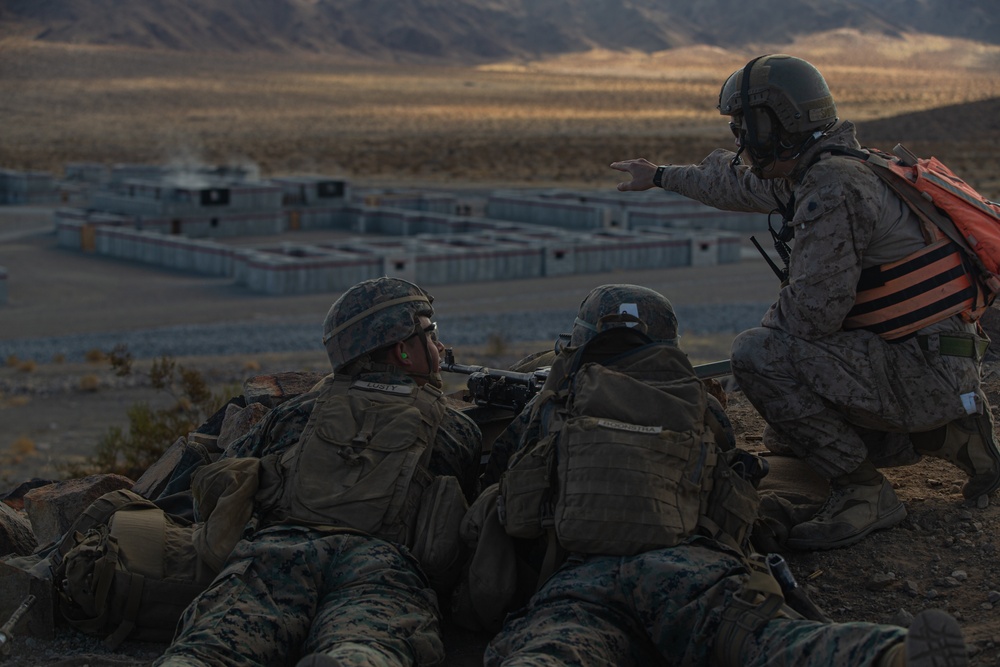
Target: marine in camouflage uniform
840, 397
296, 594
689, 604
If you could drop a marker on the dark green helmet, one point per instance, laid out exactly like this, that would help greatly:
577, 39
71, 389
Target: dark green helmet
371, 315
791, 88
611, 306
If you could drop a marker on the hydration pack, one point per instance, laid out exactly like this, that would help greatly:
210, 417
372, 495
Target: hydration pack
949, 208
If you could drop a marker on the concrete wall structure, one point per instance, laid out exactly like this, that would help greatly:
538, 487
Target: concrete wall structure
428, 238
27, 187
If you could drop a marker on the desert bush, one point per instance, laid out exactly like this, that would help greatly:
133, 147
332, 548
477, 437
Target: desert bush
95, 355
90, 382
152, 430
22, 446
496, 345
58, 358
27, 366
12, 361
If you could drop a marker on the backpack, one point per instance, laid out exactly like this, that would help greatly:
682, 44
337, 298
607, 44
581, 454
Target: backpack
625, 463
944, 202
361, 465
127, 569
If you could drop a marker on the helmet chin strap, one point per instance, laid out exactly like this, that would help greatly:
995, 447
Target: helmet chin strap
432, 378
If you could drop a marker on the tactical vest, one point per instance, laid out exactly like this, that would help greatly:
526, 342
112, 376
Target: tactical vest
955, 274
626, 463
360, 464
899, 298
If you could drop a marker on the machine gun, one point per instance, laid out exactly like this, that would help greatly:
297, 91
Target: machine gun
512, 390
497, 388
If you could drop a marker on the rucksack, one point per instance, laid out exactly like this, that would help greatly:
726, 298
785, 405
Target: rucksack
625, 463
127, 569
361, 465
944, 202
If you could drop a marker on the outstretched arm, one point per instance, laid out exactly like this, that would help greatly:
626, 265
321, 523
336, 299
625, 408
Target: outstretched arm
640, 169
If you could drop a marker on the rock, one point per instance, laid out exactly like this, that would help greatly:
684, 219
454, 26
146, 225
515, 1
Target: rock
186, 454
15, 533
911, 588
238, 421
960, 575
272, 390
15, 586
902, 618
993, 597
151, 483
15, 497
53, 508
880, 581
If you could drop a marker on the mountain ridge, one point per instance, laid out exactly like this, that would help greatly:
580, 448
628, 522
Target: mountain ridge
473, 31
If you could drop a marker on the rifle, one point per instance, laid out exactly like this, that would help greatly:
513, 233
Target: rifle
512, 390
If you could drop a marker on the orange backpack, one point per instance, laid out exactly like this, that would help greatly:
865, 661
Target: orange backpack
946, 202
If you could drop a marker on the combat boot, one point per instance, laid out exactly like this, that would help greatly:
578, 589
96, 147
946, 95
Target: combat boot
934, 639
858, 504
970, 443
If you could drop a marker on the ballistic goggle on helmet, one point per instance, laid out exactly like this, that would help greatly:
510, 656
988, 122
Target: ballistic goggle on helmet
371, 315
781, 105
633, 306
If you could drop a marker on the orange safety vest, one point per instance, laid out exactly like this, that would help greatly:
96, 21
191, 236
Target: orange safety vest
899, 298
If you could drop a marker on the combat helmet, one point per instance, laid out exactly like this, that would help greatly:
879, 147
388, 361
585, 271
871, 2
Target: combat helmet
784, 101
610, 306
371, 315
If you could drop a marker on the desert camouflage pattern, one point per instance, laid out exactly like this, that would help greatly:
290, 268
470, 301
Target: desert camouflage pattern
288, 591
814, 383
822, 398
652, 308
371, 315
358, 600
664, 607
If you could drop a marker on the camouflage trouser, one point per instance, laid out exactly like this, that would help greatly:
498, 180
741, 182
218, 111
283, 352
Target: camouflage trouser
664, 608
825, 398
290, 592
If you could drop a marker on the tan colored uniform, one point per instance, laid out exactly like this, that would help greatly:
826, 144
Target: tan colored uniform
827, 393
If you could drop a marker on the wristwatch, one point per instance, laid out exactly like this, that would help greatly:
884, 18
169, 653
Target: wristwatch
658, 176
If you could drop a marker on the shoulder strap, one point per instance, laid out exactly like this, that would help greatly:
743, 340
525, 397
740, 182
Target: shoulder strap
922, 206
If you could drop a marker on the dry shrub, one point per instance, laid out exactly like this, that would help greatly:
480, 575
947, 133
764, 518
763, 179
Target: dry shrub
27, 366
58, 358
496, 345
22, 446
152, 430
90, 382
95, 355
12, 360
251, 366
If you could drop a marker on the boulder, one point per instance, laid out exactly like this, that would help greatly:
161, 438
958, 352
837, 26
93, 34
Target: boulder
272, 390
238, 421
53, 508
15, 533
